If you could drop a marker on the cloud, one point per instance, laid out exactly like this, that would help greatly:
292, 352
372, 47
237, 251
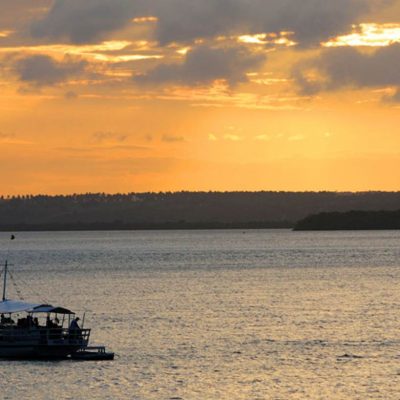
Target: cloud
185, 20
101, 137
172, 139
71, 95
4, 34
11, 139
296, 138
4, 135
262, 138
368, 34
97, 150
42, 70
311, 20
394, 98
204, 65
342, 67
83, 21
16, 15
232, 138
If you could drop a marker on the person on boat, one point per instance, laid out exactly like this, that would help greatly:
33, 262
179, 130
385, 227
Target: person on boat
74, 329
74, 326
23, 323
6, 320
55, 331
29, 321
51, 324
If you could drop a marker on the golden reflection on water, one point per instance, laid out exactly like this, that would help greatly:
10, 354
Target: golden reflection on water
210, 316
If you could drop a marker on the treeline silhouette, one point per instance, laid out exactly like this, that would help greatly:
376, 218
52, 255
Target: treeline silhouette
180, 210
352, 220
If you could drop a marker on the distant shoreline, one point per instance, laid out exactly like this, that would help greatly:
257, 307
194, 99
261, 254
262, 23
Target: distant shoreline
168, 226
299, 227
188, 210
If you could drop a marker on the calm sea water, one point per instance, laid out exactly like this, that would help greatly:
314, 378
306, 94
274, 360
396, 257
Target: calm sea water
217, 314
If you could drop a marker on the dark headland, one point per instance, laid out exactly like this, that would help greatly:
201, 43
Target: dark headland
352, 220
186, 210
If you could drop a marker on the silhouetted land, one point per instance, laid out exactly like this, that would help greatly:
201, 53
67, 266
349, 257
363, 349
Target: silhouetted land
182, 210
352, 220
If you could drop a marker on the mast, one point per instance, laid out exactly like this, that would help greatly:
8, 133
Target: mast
6, 269
5, 280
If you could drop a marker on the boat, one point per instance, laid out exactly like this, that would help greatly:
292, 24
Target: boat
30, 330
92, 353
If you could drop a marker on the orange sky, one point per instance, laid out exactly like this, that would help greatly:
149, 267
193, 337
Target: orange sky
126, 95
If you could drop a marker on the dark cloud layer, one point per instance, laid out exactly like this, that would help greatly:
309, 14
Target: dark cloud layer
16, 14
42, 70
184, 20
348, 67
83, 20
311, 20
204, 65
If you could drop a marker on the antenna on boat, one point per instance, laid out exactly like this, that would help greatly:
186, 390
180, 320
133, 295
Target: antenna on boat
5, 270
5, 281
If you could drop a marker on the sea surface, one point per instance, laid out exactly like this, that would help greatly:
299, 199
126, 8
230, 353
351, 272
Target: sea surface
267, 314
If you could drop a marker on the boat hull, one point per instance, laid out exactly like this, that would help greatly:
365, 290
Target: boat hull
41, 343
19, 351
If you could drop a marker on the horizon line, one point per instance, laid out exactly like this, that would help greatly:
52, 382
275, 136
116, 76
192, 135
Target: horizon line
71, 194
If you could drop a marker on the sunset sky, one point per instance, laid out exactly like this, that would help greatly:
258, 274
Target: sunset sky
166, 95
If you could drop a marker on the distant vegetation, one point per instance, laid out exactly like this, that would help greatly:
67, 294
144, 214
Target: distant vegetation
182, 210
352, 220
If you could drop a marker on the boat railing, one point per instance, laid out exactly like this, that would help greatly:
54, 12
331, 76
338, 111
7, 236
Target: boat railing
45, 335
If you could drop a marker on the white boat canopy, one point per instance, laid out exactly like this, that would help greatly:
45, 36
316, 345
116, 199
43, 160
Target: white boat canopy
14, 306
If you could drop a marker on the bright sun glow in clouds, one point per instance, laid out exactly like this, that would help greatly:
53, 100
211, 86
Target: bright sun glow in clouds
374, 35
283, 39
96, 52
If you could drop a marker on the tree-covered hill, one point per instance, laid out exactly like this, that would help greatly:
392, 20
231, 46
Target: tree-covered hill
181, 209
352, 220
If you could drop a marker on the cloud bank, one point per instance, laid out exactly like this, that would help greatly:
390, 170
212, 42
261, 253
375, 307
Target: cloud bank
348, 67
83, 21
185, 20
42, 70
204, 65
